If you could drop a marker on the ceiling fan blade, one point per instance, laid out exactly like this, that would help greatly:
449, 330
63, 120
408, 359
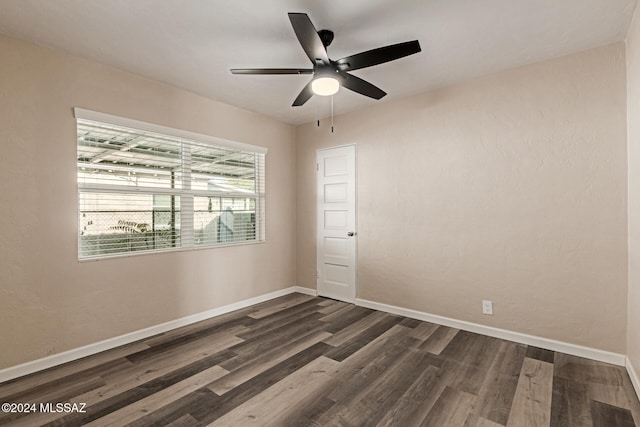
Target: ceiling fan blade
360, 86
308, 37
378, 56
271, 71
304, 95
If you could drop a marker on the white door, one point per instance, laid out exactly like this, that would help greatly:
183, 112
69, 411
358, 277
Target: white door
336, 213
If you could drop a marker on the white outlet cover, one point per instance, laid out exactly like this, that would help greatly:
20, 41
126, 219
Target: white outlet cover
487, 307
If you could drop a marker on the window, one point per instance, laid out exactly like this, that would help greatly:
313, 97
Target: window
147, 188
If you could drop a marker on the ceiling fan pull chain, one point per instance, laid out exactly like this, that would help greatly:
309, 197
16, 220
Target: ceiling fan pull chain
318, 113
331, 113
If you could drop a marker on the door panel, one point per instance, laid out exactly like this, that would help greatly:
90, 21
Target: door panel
337, 249
336, 220
334, 193
336, 213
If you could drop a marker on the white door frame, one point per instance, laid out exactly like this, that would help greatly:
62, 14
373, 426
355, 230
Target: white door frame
326, 287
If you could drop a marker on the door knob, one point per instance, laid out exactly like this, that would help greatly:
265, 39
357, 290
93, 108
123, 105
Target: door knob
351, 234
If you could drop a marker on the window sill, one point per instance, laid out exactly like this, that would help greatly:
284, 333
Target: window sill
165, 251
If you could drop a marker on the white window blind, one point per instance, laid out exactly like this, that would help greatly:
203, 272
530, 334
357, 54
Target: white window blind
142, 190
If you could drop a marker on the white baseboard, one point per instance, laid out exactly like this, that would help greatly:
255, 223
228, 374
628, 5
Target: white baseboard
549, 344
306, 291
108, 344
635, 379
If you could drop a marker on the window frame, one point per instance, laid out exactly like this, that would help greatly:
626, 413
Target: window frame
187, 241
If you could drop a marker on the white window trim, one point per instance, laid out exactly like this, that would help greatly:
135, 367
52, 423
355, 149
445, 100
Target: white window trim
81, 113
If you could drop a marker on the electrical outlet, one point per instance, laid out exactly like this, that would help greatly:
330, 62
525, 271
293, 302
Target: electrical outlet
487, 307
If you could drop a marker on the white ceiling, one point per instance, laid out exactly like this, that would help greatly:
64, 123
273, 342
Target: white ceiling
193, 43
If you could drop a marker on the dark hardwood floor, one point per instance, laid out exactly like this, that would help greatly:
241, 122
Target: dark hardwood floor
307, 361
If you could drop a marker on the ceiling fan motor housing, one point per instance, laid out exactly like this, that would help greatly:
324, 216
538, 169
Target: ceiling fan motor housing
326, 36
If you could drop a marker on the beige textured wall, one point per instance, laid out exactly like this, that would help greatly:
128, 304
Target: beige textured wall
49, 302
633, 128
510, 187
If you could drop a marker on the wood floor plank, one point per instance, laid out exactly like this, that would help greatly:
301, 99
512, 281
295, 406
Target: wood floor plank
288, 300
239, 395
274, 308
587, 371
474, 364
451, 409
338, 313
85, 366
461, 411
157, 400
226, 318
208, 324
349, 332
570, 405
532, 401
325, 302
332, 308
335, 324
495, 394
270, 324
187, 333
184, 421
424, 330
353, 399
458, 348
410, 323
476, 421
243, 358
412, 398
308, 414
223, 331
440, 338
540, 354
268, 407
360, 378
359, 341
371, 403
371, 351
433, 390
179, 409
608, 415
602, 382
632, 398
266, 361
203, 346
279, 336
610, 394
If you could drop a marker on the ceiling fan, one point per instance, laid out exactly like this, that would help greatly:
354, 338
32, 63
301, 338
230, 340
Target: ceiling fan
329, 75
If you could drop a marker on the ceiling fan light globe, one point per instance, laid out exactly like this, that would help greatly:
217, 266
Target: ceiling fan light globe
325, 86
